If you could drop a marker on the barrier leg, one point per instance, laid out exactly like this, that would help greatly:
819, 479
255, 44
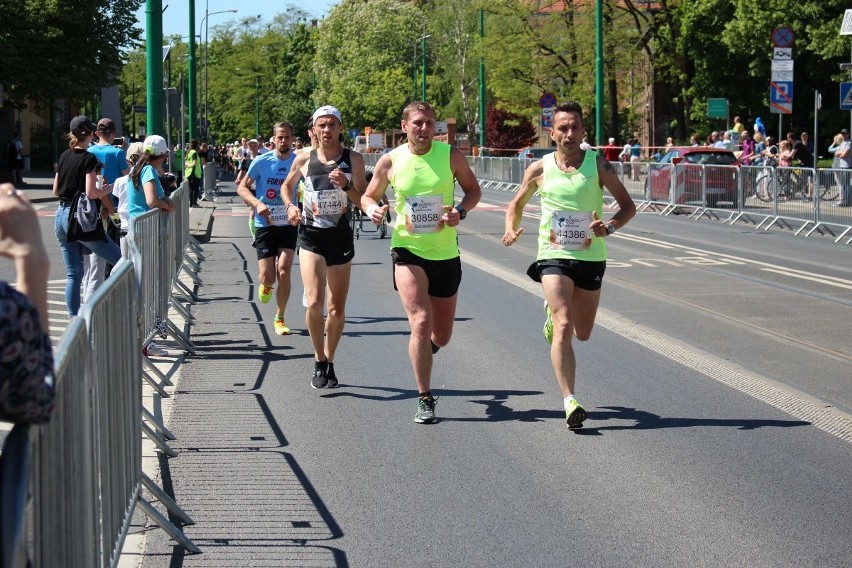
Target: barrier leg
158, 441
167, 526
187, 293
167, 501
181, 310
159, 426
180, 337
158, 373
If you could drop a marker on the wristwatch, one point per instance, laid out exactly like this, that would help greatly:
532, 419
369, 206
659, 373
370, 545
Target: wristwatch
462, 212
348, 185
610, 228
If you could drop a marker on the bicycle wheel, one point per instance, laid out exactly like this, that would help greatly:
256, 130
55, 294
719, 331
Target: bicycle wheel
763, 187
829, 192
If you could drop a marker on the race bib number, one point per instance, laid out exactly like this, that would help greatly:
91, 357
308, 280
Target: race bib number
424, 214
278, 214
569, 230
330, 202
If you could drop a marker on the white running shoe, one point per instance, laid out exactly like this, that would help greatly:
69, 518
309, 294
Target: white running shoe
154, 350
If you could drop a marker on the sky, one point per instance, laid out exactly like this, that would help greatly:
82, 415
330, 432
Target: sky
176, 12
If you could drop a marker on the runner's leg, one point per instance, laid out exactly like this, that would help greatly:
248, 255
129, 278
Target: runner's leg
313, 269
559, 293
338, 289
285, 269
413, 289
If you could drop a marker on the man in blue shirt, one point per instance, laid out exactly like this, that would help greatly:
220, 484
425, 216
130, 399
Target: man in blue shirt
275, 237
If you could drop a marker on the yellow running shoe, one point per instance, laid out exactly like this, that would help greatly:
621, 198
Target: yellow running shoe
280, 327
264, 293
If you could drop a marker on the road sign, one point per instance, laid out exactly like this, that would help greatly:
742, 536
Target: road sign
782, 76
717, 108
547, 118
547, 100
782, 53
140, 109
782, 36
782, 64
846, 26
781, 97
845, 96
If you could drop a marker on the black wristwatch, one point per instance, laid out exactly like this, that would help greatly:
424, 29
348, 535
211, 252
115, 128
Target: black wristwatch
348, 185
462, 212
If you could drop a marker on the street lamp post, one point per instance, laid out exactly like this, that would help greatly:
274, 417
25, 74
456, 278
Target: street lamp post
205, 23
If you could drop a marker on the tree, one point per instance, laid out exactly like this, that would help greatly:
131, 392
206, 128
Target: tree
76, 44
362, 65
504, 129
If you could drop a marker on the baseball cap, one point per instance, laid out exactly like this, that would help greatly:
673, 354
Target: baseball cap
135, 149
106, 125
326, 110
156, 145
82, 124
844, 131
253, 141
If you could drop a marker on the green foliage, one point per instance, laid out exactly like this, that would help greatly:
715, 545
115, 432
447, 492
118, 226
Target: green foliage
76, 45
363, 60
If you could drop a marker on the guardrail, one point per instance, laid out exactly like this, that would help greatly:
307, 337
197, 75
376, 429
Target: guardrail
86, 474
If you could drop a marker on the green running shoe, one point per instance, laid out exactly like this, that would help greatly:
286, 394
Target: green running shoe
575, 414
264, 293
547, 330
426, 411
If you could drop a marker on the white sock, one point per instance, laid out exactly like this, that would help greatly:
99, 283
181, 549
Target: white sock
568, 399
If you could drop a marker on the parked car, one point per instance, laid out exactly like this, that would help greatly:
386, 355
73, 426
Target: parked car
697, 167
534, 153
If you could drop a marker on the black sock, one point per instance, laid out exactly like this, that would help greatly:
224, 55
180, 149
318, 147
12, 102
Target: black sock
427, 394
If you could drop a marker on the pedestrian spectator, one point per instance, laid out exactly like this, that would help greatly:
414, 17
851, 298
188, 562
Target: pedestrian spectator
759, 147
806, 159
724, 142
332, 174
693, 141
748, 149
275, 238
759, 128
145, 192
570, 263
842, 163
77, 175
424, 247
178, 152
26, 369
806, 140
192, 171
584, 145
635, 159
611, 151
15, 155
119, 192
785, 154
738, 126
114, 162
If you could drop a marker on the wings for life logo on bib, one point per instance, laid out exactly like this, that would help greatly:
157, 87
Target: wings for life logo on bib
271, 193
569, 230
424, 214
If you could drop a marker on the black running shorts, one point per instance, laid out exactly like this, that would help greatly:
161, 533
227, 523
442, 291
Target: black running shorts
586, 274
269, 241
336, 244
444, 275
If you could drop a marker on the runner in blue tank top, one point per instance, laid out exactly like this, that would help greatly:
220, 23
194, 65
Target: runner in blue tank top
275, 237
571, 251
334, 177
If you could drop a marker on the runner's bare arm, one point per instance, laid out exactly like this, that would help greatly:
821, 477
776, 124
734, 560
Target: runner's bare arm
378, 185
288, 188
359, 178
610, 180
466, 179
515, 210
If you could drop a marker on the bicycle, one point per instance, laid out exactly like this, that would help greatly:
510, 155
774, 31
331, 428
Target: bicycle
763, 183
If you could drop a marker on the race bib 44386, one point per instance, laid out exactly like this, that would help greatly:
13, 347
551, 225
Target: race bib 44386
569, 230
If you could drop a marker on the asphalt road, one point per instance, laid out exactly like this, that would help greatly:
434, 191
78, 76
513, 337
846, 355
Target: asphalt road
717, 383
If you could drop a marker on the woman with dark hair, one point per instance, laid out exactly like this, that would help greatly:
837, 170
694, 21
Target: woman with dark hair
75, 176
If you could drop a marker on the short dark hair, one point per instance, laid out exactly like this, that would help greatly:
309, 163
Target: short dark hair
283, 124
416, 106
570, 106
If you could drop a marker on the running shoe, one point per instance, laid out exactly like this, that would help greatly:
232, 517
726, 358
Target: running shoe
264, 293
329, 374
426, 410
547, 330
319, 379
575, 414
154, 350
280, 327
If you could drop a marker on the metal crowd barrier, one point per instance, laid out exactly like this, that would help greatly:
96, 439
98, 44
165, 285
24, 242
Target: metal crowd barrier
86, 474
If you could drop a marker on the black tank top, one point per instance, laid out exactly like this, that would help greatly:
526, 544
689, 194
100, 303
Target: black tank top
326, 206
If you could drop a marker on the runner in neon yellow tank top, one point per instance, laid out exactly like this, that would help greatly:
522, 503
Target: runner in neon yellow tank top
571, 255
424, 245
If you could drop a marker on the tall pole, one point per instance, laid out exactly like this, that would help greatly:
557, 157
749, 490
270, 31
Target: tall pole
257, 106
423, 65
414, 73
154, 64
481, 79
599, 76
193, 119
206, 68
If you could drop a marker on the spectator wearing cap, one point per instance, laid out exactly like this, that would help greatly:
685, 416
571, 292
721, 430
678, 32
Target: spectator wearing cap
77, 174
146, 191
192, 171
611, 151
115, 165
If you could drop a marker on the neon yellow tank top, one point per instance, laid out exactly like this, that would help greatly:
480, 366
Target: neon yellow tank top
567, 203
423, 185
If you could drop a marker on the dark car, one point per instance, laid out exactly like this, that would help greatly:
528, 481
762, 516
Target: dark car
702, 175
